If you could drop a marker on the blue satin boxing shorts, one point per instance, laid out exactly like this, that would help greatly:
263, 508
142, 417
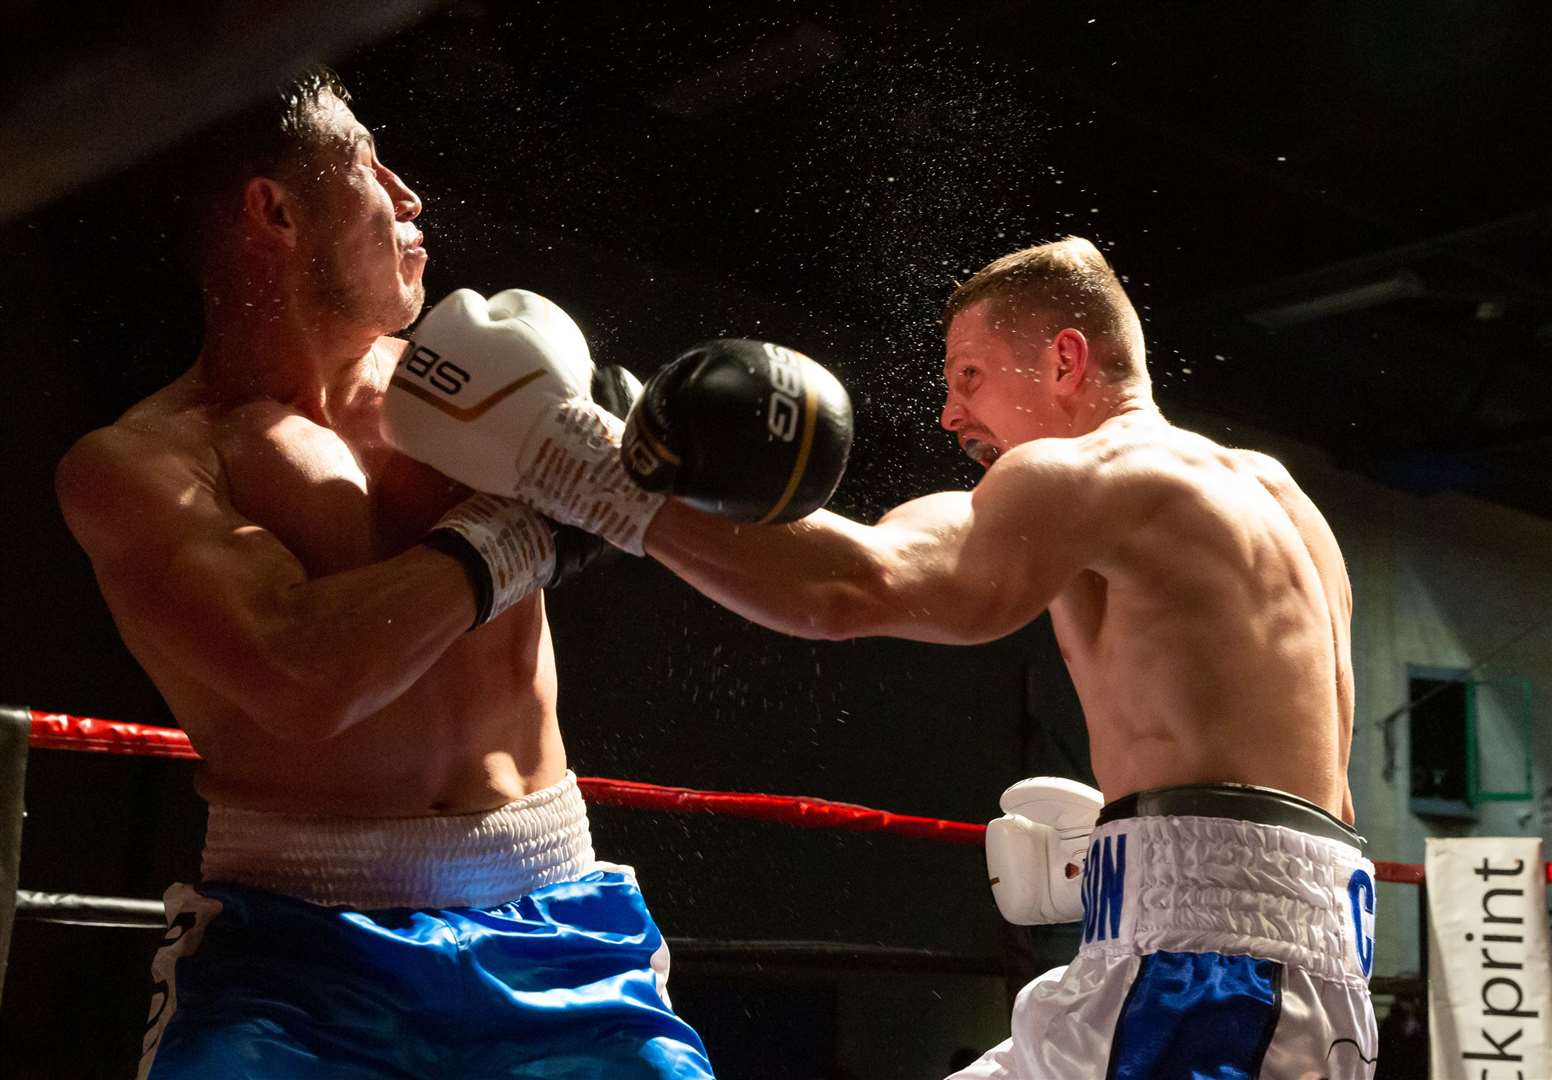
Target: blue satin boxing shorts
491, 944
563, 984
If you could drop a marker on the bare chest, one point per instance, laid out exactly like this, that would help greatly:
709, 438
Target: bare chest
335, 503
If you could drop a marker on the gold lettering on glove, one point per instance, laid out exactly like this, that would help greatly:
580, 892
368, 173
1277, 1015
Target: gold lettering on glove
448, 379
787, 376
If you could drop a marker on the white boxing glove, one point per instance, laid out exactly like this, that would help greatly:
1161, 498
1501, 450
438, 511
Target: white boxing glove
1035, 851
496, 394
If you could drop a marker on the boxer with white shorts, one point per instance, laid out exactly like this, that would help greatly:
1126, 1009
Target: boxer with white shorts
1227, 932
1203, 611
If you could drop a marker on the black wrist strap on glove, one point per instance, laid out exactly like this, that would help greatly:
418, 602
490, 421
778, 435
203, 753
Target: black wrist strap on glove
451, 543
577, 549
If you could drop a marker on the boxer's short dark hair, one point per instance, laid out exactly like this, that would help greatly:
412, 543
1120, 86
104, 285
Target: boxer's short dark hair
1067, 283
273, 134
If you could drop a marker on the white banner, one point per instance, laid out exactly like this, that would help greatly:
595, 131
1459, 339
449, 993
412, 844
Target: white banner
1489, 963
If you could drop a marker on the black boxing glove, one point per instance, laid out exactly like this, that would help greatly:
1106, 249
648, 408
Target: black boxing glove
744, 429
616, 389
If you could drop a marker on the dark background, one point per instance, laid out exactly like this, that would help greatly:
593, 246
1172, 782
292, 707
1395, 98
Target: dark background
1333, 217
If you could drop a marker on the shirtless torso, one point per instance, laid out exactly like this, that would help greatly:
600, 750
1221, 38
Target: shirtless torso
1199, 598
1211, 644
302, 525
1202, 609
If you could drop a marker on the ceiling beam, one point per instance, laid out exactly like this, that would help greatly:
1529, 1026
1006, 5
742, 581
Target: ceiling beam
1323, 281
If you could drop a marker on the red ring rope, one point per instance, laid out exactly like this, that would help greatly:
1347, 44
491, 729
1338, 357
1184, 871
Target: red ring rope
61, 731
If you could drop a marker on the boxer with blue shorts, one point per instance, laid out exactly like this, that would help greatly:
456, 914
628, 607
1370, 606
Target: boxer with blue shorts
469, 946
332, 550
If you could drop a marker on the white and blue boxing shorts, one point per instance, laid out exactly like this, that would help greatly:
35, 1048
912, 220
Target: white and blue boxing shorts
1214, 948
469, 946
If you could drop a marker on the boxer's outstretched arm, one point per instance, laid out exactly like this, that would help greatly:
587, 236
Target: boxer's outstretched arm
953, 568
190, 577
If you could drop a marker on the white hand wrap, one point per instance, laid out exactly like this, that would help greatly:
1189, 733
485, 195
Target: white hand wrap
508, 550
1035, 851
576, 476
496, 394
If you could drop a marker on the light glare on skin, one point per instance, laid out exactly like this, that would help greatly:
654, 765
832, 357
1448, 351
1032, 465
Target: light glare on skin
367, 252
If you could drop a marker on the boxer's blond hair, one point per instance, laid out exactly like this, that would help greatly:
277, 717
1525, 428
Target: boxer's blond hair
1063, 283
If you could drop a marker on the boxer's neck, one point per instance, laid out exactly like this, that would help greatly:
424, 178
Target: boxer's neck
274, 343
1111, 404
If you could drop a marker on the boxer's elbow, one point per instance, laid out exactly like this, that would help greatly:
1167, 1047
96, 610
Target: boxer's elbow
299, 704
302, 693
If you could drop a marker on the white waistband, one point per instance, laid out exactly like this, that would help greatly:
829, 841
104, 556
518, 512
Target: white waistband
1198, 884
459, 860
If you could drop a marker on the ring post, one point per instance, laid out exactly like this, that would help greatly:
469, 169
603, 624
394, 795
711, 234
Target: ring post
15, 728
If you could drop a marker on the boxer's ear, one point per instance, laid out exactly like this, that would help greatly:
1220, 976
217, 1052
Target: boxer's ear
269, 211
1072, 353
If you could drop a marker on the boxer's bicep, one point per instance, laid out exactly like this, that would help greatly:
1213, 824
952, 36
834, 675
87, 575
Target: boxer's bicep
1032, 525
183, 572
942, 571
972, 567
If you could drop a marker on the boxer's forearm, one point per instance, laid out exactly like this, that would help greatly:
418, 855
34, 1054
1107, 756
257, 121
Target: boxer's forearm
339, 649
798, 579
825, 576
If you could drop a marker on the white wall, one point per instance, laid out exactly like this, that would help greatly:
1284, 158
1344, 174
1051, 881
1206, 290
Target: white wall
1442, 581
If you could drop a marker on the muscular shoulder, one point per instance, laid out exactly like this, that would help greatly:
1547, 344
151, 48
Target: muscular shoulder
1152, 454
1266, 470
1091, 493
111, 478
1129, 466
1112, 491
1301, 510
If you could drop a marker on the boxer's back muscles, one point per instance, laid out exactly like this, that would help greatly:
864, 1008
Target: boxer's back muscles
259, 564
1210, 643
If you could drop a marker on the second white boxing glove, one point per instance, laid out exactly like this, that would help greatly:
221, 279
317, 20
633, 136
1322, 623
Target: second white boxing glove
495, 394
1035, 851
